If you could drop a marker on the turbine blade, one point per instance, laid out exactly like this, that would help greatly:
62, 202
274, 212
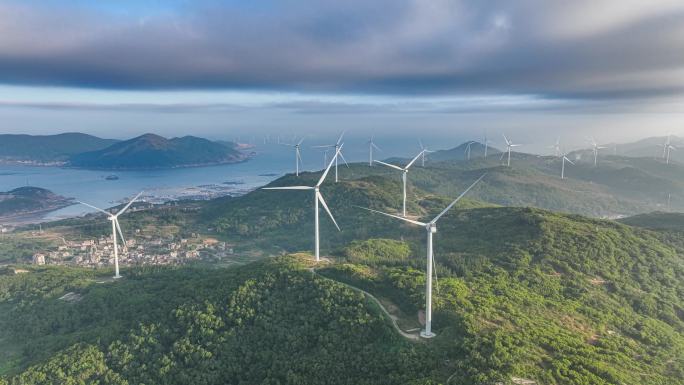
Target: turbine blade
324, 146
414, 160
376, 147
129, 204
457, 199
299, 156
506, 139
389, 165
301, 140
420, 143
502, 155
118, 228
344, 160
339, 140
394, 216
96, 208
325, 206
332, 161
289, 188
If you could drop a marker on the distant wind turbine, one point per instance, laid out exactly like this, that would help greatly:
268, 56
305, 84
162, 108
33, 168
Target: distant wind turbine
318, 198
298, 154
509, 146
336, 146
556, 147
425, 152
467, 149
116, 227
595, 149
371, 146
431, 228
667, 147
565, 159
486, 145
404, 171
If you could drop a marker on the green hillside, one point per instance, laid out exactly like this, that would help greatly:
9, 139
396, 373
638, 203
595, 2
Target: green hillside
522, 294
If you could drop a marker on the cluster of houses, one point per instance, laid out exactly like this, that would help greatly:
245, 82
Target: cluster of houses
155, 251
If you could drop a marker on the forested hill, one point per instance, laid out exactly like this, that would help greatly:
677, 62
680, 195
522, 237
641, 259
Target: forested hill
151, 151
48, 148
522, 294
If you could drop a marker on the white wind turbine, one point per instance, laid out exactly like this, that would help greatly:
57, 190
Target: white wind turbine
318, 197
486, 145
371, 146
298, 154
404, 171
595, 149
556, 147
337, 146
425, 152
667, 147
116, 227
431, 228
565, 159
509, 146
467, 149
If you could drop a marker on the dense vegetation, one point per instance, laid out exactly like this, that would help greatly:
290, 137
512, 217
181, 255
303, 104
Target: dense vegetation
271, 322
521, 294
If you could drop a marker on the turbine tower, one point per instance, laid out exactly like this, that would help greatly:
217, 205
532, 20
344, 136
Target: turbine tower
467, 149
486, 145
556, 147
298, 154
116, 227
425, 151
667, 147
371, 146
565, 159
431, 228
595, 149
509, 146
404, 171
336, 146
318, 198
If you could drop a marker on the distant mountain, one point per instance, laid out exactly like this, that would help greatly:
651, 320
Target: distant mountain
30, 200
657, 221
652, 148
48, 148
151, 151
460, 153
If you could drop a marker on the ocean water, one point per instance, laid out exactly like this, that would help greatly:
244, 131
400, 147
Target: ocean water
270, 162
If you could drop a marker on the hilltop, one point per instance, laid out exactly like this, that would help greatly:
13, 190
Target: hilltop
151, 151
48, 148
30, 201
521, 293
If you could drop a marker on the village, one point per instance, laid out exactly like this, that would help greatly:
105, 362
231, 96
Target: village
98, 252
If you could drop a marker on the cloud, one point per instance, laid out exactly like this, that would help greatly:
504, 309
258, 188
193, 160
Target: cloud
577, 49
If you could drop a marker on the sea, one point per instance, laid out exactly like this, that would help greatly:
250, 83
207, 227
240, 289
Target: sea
92, 186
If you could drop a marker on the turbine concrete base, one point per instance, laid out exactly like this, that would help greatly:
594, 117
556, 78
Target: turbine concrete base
425, 335
118, 276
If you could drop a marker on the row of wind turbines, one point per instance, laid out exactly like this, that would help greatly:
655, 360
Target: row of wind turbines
430, 227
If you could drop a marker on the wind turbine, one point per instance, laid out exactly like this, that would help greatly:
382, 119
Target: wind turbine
336, 146
298, 154
404, 171
509, 145
667, 147
556, 147
431, 228
595, 149
318, 197
425, 151
371, 146
565, 159
486, 145
467, 149
116, 227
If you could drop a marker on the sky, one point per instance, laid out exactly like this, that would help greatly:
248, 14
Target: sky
445, 71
